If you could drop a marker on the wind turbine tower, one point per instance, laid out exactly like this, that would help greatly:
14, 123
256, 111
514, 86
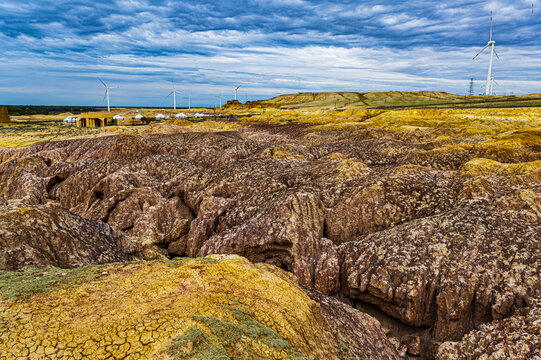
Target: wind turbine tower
492, 82
236, 89
174, 93
107, 87
490, 43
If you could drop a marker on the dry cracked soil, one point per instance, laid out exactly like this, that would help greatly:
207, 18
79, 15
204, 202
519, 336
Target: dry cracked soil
436, 236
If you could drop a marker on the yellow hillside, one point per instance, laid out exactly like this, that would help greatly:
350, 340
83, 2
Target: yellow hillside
211, 308
397, 99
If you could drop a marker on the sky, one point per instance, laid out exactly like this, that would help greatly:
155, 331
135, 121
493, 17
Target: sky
52, 52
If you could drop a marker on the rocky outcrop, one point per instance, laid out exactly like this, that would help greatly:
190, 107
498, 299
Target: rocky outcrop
49, 235
453, 271
352, 332
217, 307
516, 337
409, 222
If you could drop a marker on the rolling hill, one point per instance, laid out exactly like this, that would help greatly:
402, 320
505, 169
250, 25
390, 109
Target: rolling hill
394, 99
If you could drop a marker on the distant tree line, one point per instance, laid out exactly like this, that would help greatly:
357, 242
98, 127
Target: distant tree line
46, 110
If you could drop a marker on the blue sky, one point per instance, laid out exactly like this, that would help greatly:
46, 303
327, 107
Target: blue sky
52, 51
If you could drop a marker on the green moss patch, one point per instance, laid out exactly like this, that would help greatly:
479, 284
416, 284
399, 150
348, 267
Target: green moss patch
241, 337
35, 280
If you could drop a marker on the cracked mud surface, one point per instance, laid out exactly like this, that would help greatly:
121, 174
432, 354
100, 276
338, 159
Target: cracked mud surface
209, 308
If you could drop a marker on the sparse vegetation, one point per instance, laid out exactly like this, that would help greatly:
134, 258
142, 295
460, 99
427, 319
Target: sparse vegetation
40, 279
239, 337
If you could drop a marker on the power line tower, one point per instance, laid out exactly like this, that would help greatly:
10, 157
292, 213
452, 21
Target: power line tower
470, 93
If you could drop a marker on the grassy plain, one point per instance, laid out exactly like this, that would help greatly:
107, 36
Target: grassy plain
505, 127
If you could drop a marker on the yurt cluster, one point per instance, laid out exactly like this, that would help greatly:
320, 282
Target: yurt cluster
99, 119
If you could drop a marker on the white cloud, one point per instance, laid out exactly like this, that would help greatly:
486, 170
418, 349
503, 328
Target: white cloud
359, 47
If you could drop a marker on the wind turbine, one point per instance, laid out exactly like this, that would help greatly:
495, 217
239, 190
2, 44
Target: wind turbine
107, 87
490, 43
492, 82
174, 93
236, 89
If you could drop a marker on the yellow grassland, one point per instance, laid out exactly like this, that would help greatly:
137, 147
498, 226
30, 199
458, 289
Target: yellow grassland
22, 134
496, 130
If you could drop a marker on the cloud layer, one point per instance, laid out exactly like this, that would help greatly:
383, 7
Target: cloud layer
52, 51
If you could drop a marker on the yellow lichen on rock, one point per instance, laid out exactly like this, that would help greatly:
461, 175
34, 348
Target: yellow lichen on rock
350, 168
484, 167
155, 310
277, 152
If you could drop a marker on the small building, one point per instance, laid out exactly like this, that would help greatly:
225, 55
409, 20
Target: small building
139, 117
4, 115
160, 117
94, 119
118, 117
181, 116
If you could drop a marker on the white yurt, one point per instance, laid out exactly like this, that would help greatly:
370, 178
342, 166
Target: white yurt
167, 117
70, 120
199, 115
138, 117
160, 117
181, 116
118, 117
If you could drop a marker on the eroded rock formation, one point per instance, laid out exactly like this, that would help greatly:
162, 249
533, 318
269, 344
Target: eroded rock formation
515, 337
405, 221
49, 235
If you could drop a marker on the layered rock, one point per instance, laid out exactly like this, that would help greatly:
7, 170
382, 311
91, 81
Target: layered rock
49, 235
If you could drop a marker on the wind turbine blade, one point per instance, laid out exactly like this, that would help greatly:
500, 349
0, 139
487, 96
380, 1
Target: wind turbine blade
496, 54
490, 39
105, 95
171, 93
104, 84
479, 53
